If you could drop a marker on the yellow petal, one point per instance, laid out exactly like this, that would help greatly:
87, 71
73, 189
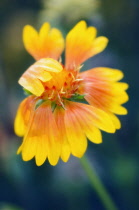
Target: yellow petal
30, 39
120, 86
99, 45
23, 115
32, 84
41, 151
104, 73
102, 90
55, 43
65, 151
19, 124
49, 65
53, 142
92, 133
101, 120
42, 138
117, 109
81, 44
19, 149
47, 43
65, 146
121, 98
43, 35
74, 133
29, 148
115, 121
97, 117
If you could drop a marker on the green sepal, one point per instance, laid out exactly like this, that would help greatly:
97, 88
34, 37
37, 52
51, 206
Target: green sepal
53, 106
39, 102
27, 92
78, 98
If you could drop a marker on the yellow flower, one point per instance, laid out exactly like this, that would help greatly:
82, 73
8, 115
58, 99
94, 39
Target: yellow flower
52, 119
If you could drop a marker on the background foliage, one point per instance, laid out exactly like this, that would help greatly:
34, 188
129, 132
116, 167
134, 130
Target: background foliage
25, 186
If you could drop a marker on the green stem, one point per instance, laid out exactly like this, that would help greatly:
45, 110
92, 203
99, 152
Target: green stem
97, 184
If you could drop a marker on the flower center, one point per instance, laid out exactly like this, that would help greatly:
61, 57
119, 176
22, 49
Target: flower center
63, 85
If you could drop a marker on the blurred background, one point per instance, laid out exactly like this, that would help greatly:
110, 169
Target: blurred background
23, 185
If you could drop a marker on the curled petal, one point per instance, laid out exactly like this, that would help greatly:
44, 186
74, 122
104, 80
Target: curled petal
47, 43
81, 44
39, 72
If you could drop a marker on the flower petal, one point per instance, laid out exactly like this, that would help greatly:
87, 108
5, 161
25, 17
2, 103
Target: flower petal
59, 117
41, 151
91, 132
103, 73
97, 117
49, 65
115, 120
41, 139
102, 90
30, 39
54, 144
29, 148
39, 72
47, 43
23, 115
31, 83
74, 132
99, 44
81, 44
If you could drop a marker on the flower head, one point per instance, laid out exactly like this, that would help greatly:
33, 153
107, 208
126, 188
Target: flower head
53, 119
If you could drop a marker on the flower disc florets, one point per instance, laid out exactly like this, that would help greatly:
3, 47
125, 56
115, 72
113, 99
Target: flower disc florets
62, 86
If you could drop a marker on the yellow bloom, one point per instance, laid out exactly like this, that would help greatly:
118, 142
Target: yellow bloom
52, 120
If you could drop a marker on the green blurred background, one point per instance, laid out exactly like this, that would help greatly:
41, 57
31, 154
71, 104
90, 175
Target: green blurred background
23, 185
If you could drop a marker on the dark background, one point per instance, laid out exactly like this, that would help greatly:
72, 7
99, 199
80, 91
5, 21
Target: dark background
25, 186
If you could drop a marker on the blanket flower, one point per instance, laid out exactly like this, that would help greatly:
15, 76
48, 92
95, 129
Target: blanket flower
65, 107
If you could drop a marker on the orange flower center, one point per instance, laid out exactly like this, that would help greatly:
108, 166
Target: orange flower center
62, 86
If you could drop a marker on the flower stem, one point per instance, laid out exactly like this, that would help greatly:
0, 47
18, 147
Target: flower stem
97, 184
